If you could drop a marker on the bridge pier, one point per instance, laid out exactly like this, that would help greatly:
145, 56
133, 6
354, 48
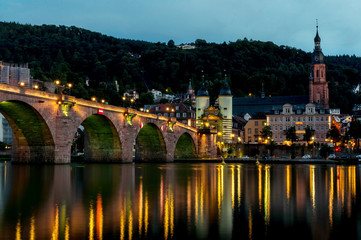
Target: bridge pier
207, 146
62, 140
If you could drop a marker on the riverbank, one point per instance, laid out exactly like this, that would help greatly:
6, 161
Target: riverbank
275, 161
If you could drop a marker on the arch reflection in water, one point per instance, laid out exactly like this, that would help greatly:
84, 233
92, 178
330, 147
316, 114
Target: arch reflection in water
166, 201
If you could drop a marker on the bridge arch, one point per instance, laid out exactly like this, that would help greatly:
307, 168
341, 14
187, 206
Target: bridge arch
185, 147
101, 142
33, 141
150, 144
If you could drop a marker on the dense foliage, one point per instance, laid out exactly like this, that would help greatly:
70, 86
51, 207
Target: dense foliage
73, 54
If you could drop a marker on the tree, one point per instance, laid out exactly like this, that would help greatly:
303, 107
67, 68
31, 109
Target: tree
171, 43
334, 134
325, 151
145, 99
266, 132
290, 134
355, 130
2, 146
309, 133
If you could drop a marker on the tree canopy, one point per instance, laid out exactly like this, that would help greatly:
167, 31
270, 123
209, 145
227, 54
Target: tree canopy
84, 58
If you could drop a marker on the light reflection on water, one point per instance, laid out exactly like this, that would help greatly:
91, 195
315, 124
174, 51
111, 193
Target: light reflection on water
173, 201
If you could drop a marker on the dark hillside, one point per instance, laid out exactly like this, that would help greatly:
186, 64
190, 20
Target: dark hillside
73, 54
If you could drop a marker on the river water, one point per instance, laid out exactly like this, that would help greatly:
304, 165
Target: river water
180, 201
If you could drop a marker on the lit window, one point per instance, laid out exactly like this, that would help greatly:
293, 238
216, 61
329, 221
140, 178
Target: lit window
165, 114
177, 115
184, 115
256, 123
176, 107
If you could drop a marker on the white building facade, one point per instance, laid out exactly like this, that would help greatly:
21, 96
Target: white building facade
300, 117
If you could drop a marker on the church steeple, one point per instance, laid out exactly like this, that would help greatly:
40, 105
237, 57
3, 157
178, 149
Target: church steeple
317, 55
318, 86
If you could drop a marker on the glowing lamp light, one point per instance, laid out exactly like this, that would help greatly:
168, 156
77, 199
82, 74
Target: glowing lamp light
22, 84
123, 98
100, 111
172, 109
219, 134
103, 101
93, 99
147, 110
57, 82
70, 85
36, 86
59, 102
167, 109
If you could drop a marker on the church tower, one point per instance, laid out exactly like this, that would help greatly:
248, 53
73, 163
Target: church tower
202, 102
225, 106
318, 87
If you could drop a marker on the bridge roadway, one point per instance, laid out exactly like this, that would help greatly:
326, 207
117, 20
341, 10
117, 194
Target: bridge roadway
44, 126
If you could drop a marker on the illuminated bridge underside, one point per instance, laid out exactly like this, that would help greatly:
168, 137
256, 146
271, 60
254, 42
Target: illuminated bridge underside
102, 140
44, 130
34, 142
185, 148
150, 145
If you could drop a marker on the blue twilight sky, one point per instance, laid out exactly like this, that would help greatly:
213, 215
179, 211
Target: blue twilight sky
284, 22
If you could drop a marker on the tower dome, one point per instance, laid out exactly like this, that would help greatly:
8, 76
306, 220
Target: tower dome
225, 91
317, 55
203, 90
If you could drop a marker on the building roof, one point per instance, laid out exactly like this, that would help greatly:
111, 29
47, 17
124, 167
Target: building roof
170, 106
202, 92
225, 91
253, 105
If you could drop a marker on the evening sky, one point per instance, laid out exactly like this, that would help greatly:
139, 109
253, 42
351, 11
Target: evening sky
284, 22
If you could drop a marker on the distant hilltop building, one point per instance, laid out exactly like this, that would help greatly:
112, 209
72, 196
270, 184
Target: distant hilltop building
186, 46
13, 74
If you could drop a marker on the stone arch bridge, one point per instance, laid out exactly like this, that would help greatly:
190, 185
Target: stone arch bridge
44, 126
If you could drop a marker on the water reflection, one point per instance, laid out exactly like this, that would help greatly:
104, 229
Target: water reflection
167, 201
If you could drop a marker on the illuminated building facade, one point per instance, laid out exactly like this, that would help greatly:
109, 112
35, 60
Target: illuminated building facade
300, 117
180, 111
209, 117
253, 128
